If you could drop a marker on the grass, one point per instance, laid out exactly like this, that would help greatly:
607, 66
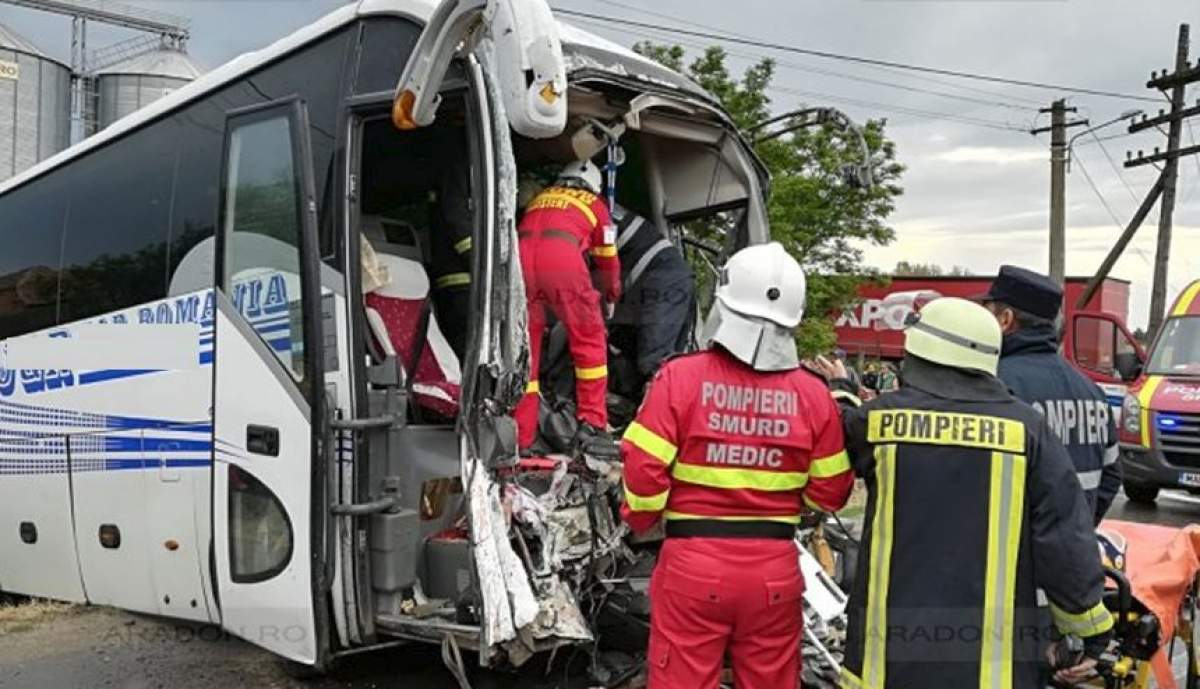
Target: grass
23, 616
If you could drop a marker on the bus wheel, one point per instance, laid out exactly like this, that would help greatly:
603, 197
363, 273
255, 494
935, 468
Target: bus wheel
1141, 493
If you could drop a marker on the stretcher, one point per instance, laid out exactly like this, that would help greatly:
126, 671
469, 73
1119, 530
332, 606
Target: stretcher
1157, 619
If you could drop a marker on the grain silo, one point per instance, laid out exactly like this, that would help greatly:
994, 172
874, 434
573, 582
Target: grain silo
135, 83
35, 104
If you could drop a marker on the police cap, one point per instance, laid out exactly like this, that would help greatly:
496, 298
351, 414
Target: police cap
1027, 291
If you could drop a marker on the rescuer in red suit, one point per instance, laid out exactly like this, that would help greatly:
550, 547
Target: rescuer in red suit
562, 224
729, 446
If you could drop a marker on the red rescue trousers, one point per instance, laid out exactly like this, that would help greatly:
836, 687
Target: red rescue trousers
713, 596
557, 278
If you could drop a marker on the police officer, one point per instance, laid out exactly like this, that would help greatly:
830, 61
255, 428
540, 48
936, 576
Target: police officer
729, 445
654, 318
1026, 304
972, 506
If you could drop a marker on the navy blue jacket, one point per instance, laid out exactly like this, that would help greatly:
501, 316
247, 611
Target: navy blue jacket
1075, 408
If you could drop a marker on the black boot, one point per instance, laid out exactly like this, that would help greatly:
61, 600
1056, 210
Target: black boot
594, 441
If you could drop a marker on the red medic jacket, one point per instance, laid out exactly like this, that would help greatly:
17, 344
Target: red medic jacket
584, 216
716, 439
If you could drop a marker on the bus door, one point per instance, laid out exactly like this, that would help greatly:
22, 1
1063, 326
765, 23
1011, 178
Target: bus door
268, 395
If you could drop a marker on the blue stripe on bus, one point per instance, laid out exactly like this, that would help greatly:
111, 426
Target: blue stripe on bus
149, 445
135, 464
113, 374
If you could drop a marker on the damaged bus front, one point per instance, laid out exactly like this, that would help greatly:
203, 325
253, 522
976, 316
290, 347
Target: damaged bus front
465, 544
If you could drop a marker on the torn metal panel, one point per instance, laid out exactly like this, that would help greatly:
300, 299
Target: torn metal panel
508, 600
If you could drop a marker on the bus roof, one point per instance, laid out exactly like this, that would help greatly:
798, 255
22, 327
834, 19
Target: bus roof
583, 49
1188, 302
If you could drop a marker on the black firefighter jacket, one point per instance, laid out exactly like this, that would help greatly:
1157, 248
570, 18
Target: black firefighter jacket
1076, 409
973, 505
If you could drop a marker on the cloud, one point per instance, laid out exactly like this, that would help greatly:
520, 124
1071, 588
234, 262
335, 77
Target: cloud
991, 155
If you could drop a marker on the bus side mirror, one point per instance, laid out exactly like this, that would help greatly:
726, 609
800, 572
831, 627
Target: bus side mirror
1128, 365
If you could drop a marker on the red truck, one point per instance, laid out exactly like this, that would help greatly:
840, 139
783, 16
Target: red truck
1160, 419
1096, 339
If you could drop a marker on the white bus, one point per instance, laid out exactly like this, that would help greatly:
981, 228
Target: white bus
203, 416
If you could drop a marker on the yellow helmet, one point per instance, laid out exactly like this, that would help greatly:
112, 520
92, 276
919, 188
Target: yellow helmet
955, 332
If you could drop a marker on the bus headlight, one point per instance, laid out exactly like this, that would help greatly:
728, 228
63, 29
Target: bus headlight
1131, 415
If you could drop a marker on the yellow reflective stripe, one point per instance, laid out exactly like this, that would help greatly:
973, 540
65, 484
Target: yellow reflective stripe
593, 373
533, 387
1186, 299
827, 467
650, 442
875, 633
944, 428
453, 280
1096, 620
1145, 397
784, 519
557, 200
463, 245
1005, 514
736, 478
605, 251
849, 680
651, 503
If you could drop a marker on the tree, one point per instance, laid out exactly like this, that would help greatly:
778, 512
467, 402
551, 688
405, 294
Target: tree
818, 218
918, 270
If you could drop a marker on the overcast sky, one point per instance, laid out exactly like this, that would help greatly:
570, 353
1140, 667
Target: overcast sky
975, 195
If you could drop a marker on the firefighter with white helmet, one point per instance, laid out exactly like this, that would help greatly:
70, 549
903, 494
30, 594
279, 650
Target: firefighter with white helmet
973, 506
563, 223
729, 446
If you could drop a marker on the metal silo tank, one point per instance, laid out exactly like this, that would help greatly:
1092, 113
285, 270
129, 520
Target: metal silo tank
35, 104
135, 83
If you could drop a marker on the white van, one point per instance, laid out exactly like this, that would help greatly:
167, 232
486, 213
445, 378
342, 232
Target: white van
203, 416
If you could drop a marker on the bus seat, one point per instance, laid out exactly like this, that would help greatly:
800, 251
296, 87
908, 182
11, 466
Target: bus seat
398, 304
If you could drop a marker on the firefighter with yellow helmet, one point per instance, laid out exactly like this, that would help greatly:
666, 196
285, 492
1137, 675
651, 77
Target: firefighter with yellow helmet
973, 506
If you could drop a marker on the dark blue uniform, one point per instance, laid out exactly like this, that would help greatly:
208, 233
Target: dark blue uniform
655, 315
1075, 408
971, 509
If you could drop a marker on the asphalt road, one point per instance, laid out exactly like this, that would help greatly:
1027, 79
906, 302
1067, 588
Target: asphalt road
1174, 508
108, 649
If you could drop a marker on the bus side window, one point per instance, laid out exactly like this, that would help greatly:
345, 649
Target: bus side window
31, 223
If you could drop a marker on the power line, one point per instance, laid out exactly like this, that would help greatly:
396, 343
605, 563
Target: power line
1112, 214
888, 70
853, 58
843, 75
899, 109
1116, 168
904, 110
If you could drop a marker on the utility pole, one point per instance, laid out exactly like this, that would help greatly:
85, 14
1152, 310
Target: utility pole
1170, 175
1058, 184
1176, 83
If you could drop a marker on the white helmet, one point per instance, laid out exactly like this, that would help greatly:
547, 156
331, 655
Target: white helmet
957, 333
759, 302
584, 172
